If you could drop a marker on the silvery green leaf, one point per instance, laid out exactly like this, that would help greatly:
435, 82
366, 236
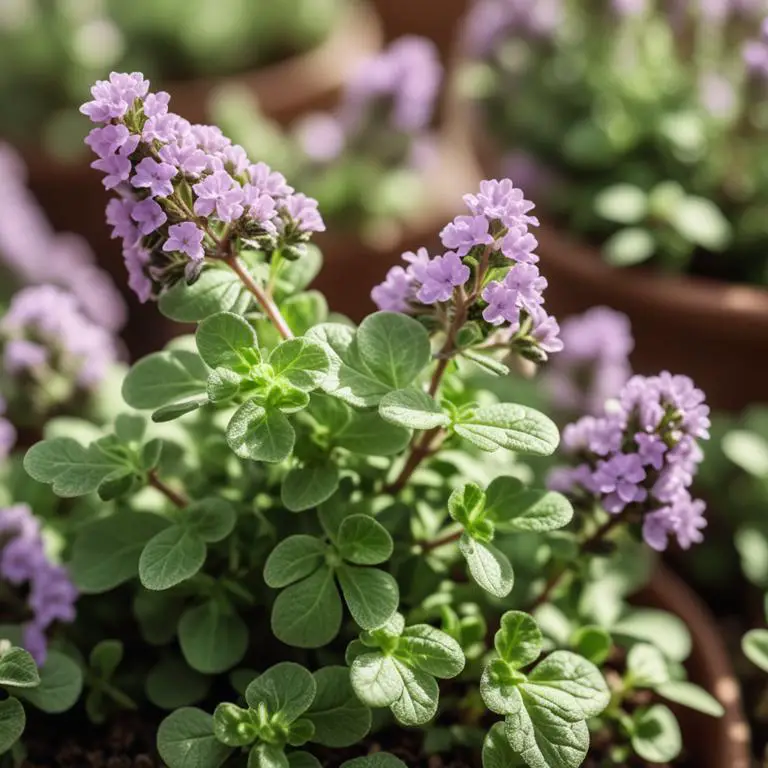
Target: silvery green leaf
216, 290
309, 486
212, 519
260, 434
691, 696
489, 566
171, 557
649, 625
163, 378
497, 752
430, 650
376, 680
378, 760
515, 508
213, 638
18, 668
369, 435
61, 682
226, 340
185, 738
287, 689
647, 666
363, 541
418, 701
413, 409
303, 362
292, 559
519, 640
12, 723
372, 595
656, 735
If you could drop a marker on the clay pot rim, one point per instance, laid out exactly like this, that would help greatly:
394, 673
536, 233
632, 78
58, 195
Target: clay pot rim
735, 308
710, 664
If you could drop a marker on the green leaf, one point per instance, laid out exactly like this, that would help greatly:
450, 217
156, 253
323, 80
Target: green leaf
260, 434
177, 410
69, 468
163, 378
514, 427
755, 647
216, 290
234, 726
378, 760
593, 643
301, 732
394, 347
656, 737
303, 760
172, 684
105, 657
106, 552
519, 639
304, 311
499, 687
691, 696
622, 203
296, 275
489, 566
430, 650
223, 385
170, 557
309, 486
629, 246
547, 728
211, 519
212, 637
466, 505
130, 428
226, 340
372, 595
339, 717
266, 756
701, 221
303, 362
292, 559
18, 668
348, 377
417, 704
654, 626
413, 409
185, 739
363, 540
515, 508
376, 680
486, 362
12, 723
368, 434
61, 682
287, 689
569, 673
497, 753
647, 666
308, 614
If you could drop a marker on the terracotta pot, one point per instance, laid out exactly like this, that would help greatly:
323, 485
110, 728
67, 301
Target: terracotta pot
354, 265
74, 199
712, 742
710, 330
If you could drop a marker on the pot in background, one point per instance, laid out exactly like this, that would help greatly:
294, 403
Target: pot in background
74, 199
712, 742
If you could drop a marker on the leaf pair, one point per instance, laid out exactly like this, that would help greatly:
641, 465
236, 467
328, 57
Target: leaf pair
506, 506
308, 612
285, 706
546, 709
17, 670
103, 661
396, 667
113, 465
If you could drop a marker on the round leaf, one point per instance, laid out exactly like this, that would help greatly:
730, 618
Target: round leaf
372, 595
287, 689
339, 717
227, 340
292, 559
170, 557
212, 638
185, 739
657, 734
364, 541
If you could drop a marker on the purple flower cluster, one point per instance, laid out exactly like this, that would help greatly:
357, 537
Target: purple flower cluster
185, 192
7, 433
36, 254
756, 54
641, 456
494, 232
594, 364
44, 329
50, 593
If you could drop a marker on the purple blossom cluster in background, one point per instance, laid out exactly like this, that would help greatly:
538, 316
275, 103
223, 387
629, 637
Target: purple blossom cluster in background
641, 456
7, 433
394, 92
44, 329
756, 54
184, 191
50, 593
594, 364
496, 230
36, 254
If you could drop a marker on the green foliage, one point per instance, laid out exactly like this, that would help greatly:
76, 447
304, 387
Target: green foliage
755, 647
61, 681
656, 734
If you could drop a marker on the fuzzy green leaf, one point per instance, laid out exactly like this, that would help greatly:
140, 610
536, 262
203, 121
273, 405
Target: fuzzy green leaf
172, 684
413, 409
647, 666
105, 657
211, 519
267, 756
185, 739
376, 680
379, 760
226, 340
260, 434
372, 595
339, 717
303, 362
649, 624
18, 668
213, 638
656, 736
489, 566
170, 557
369, 435
177, 410
515, 508
466, 505
417, 704
430, 650
287, 689
363, 540
309, 486
519, 640
308, 614
163, 378
691, 696
292, 559
216, 290
234, 726
514, 427
12, 723
61, 682
593, 643
497, 752
303, 760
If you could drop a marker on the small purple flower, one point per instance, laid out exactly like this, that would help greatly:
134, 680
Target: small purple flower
108, 140
154, 176
528, 284
395, 293
136, 259
502, 201
651, 449
466, 232
220, 193
303, 212
117, 168
22, 355
268, 181
119, 218
441, 276
186, 238
186, 156
148, 215
519, 245
113, 98
546, 331
502, 305
156, 104
162, 128
619, 477
260, 206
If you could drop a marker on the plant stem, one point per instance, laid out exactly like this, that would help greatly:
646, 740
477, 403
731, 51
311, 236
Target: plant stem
178, 499
419, 451
448, 538
555, 579
267, 305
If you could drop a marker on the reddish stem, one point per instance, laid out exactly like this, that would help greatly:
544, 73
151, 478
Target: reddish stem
178, 499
